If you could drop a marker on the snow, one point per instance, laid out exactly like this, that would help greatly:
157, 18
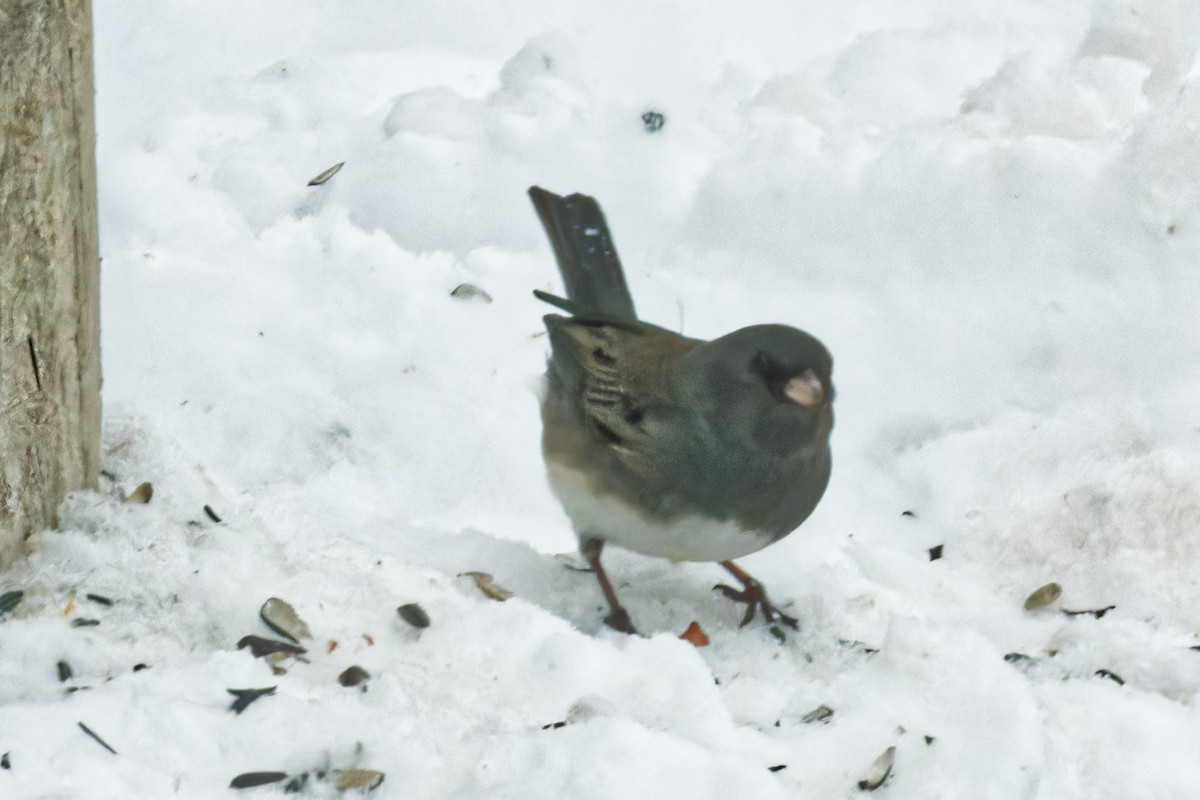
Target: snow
989, 211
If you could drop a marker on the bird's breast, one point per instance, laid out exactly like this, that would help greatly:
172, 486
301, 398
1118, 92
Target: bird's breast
681, 537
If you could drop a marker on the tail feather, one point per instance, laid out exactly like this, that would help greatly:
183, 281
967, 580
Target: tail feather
586, 255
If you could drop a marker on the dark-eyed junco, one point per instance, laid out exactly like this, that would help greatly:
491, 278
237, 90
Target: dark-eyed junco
666, 445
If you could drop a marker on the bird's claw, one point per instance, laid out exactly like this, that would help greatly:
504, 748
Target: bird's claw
619, 620
755, 598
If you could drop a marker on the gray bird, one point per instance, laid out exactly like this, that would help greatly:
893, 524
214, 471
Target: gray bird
670, 446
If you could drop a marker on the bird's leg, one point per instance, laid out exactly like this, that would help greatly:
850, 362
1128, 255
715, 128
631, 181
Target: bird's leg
618, 618
754, 596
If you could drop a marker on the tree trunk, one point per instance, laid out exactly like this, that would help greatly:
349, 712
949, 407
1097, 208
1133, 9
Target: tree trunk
49, 265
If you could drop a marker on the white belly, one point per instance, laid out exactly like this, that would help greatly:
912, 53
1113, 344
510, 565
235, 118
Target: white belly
686, 538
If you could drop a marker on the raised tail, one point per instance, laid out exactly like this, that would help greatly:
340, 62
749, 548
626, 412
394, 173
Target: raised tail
586, 255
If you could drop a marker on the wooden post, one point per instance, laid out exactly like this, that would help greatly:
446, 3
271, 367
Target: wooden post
49, 265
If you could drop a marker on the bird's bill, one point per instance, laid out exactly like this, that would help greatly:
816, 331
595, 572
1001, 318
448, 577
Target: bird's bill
805, 390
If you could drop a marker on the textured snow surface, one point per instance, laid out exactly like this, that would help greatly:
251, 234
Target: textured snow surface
989, 211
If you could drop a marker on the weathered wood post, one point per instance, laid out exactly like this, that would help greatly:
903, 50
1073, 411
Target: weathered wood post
49, 265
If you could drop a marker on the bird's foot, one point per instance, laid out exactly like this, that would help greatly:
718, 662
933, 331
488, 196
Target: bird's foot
619, 620
754, 596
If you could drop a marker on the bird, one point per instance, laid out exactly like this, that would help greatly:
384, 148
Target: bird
671, 446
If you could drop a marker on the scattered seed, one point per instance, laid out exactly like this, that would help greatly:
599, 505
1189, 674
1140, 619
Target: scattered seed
1112, 676
99, 598
483, 581
353, 676
142, 493
778, 633
283, 619
879, 770
248, 780
653, 121
821, 713
1043, 597
10, 600
935, 552
1098, 613
247, 696
908, 513
469, 291
777, 767
333, 645
100, 741
553, 726
327, 174
4, 762
573, 562
70, 605
296, 784
260, 646
695, 635
211, 514
84, 623
64, 672
140, 667
1018, 658
414, 615
358, 779
369, 640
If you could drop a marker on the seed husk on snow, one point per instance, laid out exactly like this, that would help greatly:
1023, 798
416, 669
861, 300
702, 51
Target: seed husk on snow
142, 493
1098, 613
653, 121
211, 514
879, 770
4, 762
353, 676
95, 736
821, 713
483, 580
247, 696
1043, 597
469, 291
260, 646
296, 784
327, 174
99, 598
935, 552
249, 780
283, 619
695, 635
414, 615
358, 779
64, 672
84, 623
10, 600
777, 768
573, 562
1112, 676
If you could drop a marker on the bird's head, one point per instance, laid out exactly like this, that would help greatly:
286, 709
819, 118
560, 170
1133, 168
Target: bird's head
773, 380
